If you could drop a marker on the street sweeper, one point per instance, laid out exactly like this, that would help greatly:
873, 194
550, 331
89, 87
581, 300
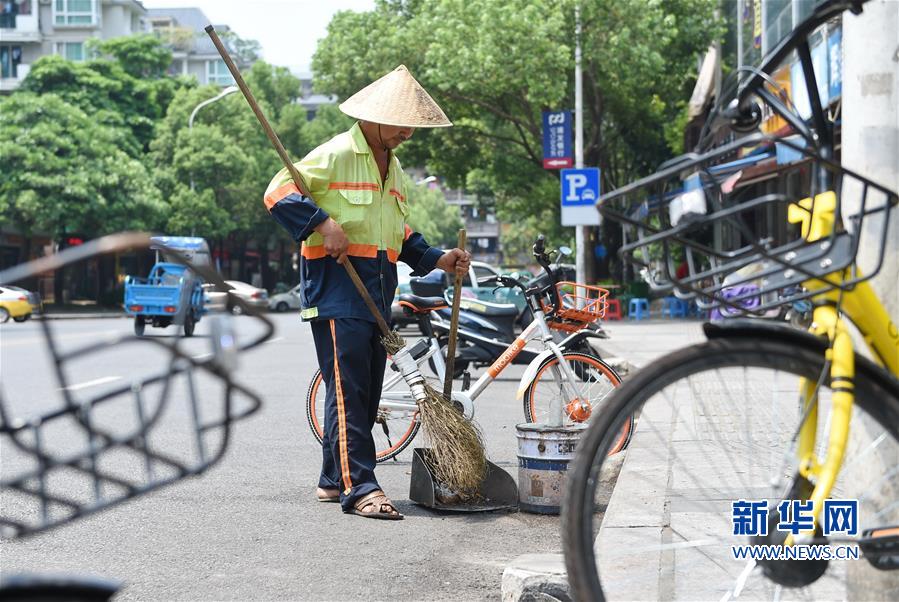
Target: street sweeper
354, 210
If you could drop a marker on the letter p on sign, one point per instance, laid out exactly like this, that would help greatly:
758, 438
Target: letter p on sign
576, 182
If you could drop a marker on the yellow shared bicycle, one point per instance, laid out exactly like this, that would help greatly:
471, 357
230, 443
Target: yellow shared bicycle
765, 461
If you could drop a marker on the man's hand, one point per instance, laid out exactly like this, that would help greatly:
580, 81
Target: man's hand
455, 260
336, 242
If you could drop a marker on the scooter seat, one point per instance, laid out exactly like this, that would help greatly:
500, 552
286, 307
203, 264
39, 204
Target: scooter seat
489, 309
421, 304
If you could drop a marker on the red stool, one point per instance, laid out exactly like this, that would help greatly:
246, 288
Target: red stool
613, 309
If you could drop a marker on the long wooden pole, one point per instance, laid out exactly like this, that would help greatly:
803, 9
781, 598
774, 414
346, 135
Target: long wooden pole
291, 168
454, 327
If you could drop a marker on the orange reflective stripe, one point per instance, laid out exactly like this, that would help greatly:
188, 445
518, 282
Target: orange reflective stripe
316, 252
279, 193
341, 420
396, 193
407, 233
367, 251
353, 186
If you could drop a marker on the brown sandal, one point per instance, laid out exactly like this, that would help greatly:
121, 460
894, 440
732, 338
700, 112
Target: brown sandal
329, 496
380, 501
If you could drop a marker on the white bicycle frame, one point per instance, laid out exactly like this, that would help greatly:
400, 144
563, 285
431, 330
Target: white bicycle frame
538, 328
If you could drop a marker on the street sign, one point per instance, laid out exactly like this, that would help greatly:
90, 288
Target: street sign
557, 140
580, 191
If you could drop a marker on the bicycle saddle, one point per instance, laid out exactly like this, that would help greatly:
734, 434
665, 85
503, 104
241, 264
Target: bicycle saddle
421, 304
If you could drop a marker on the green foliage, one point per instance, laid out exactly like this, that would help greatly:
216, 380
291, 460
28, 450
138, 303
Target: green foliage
495, 66
244, 52
114, 91
226, 156
674, 129
141, 56
432, 216
64, 172
328, 122
192, 213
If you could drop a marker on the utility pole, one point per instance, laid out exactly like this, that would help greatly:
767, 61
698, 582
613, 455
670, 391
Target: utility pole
870, 139
580, 232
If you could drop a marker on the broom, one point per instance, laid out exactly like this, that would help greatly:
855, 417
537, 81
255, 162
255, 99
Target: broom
458, 458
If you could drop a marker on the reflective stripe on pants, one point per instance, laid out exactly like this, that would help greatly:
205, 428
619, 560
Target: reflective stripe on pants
352, 362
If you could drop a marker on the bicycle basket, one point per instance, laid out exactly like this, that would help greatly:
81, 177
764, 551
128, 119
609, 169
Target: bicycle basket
581, 304
73, 443
741, 241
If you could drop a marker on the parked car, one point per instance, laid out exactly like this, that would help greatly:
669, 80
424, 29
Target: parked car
213, 300
253, 295
435, 283
286, 300
34, 299
13, 304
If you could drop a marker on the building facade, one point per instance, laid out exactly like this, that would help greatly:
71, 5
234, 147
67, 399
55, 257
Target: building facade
30, 29
309, 99
193, 53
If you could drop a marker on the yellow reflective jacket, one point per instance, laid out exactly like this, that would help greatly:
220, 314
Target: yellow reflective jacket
343, 180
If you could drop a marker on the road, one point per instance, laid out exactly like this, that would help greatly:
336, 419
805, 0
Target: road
250, 528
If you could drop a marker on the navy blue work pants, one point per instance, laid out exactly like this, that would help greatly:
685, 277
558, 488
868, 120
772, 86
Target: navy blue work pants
352, 360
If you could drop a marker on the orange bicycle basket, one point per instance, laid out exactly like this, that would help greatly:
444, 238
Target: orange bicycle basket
580, 302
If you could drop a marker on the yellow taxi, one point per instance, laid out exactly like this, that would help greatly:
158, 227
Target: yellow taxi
13, 304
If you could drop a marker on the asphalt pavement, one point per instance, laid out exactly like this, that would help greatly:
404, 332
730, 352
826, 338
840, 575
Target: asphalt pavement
250, 528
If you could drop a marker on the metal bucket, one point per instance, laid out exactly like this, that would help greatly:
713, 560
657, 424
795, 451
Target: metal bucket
543, 456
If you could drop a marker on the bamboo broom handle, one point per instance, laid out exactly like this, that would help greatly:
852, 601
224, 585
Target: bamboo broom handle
291, 169
454, 328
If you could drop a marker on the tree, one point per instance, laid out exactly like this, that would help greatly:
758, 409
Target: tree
128, 90
229, 160
244, 52
66, 173
432, 216
141, 56
494, 67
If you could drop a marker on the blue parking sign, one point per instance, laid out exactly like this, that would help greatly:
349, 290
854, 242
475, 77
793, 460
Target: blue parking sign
580, 191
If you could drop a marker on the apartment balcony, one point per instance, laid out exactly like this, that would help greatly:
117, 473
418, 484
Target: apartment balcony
19, 28
8, 84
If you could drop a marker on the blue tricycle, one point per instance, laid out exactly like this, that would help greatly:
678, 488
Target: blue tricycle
172, 293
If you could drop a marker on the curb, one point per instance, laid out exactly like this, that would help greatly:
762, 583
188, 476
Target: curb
536, 578
543, 577
77, 316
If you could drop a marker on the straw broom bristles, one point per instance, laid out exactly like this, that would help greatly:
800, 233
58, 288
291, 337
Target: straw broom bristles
457, 456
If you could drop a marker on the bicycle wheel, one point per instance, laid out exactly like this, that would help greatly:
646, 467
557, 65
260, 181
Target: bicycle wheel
597, 381
394, 430
717, 424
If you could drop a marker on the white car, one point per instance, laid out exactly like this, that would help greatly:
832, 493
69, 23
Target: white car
286, 300
213, 300
252, 295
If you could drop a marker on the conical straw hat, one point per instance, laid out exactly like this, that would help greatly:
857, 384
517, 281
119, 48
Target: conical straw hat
396, 99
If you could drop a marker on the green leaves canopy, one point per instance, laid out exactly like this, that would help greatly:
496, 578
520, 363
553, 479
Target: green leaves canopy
495, 66
66, 173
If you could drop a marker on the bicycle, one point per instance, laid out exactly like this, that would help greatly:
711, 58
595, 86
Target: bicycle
74, 453
557, 383
760, 413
